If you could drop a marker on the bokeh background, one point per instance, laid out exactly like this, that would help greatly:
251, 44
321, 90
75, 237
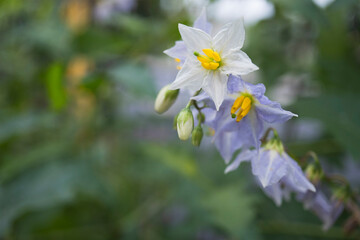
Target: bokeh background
83, 155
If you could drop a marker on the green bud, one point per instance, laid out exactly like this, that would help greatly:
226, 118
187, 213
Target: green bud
165, 99
197, 135
342, 193
185, 123
314, 172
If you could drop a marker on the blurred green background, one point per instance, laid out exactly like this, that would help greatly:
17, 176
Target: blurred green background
84, 156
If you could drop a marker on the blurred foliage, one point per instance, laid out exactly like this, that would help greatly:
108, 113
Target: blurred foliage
83, 156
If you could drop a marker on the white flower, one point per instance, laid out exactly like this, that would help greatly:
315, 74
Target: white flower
210, 60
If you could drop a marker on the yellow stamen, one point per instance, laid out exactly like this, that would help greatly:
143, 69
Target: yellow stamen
243, 104
177, 60
211, 60
178, 67
237, 104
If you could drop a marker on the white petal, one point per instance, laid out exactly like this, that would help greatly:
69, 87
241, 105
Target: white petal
191, 76
216, 86
178, 51
237, 63
195, 39
232, 36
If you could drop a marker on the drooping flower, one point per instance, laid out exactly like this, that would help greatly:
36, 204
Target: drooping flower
240, 121
327, 210
272, 165
210, 60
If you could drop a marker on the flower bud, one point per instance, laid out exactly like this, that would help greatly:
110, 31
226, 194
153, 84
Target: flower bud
185, 123
165, 99
197, 135
314, 172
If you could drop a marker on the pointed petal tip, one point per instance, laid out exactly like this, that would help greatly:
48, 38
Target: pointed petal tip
263, 182
312, 188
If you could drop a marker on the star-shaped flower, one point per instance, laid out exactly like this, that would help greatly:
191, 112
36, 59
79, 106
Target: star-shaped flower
240, 121
210, 60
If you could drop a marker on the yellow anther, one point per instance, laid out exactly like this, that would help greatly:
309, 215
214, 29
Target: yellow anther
213, 65
209, 53
216, 57
205, 65
211, 60
177, 60
246, 103
178, 67
237, 104
243, 104
203, 59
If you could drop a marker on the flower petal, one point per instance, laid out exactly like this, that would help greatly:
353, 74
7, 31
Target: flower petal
275, 193
269, 166
257, 128
202, 23
244, 156
237, 84
216, 86
178, 51
237, 62
272, 112
191, 76
296, 176
195, 39
232, 36
226, 144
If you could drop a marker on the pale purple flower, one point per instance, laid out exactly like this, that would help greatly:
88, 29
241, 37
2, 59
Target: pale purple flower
271, 166
245, 131
274, 166
327, 210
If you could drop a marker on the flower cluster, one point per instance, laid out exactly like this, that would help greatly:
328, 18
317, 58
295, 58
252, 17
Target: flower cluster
237, 112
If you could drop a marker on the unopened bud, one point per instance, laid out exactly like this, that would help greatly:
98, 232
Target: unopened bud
314, 172
165, 99
342, 193
185, 123
197, 135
